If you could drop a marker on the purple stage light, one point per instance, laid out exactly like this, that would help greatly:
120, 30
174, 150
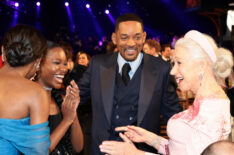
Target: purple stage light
38, 3
100, 43
107, 11
87, 6
16, 4
66, 4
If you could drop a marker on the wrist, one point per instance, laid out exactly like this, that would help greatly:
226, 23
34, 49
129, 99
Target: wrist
67, 121
156, 142
151, 139
140, 152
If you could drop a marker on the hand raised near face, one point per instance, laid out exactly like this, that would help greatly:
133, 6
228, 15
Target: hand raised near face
70, 102
74, 92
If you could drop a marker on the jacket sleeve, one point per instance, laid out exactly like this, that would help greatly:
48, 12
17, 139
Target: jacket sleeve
170, 105
84, 84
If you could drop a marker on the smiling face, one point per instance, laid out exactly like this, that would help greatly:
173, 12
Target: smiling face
53, 68
185, 70
83, 59
129, 39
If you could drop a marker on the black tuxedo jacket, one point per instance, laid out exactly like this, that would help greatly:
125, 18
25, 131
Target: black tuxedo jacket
155, 97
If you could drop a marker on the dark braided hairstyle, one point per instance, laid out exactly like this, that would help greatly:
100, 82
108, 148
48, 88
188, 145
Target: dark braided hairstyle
23, 44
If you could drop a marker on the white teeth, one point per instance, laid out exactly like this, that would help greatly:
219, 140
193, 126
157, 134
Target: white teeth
59, 76
178, 79
130, 50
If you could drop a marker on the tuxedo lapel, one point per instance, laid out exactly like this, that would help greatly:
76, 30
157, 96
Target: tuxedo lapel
149, 77
107, 76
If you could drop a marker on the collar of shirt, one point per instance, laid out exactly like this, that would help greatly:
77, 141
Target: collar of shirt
134, 64
164, 58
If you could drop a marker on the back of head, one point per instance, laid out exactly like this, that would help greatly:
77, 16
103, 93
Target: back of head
68, 49
127, 17
22, 45
110, 47
219, 148
203, 47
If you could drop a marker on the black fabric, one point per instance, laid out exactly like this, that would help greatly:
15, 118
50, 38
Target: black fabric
125, 107
230, 94
65, 145
125, 70
98, 82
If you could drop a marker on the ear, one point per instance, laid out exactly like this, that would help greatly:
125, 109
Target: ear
38, 63
113, 37
144, 36
202, 65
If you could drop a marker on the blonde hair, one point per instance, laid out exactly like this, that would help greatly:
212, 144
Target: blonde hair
221, 68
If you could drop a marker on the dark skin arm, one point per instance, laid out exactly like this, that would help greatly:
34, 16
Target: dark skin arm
69, 107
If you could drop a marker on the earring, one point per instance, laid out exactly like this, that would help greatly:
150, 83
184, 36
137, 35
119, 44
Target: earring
38, 66
3, 58
35, 76
200, 78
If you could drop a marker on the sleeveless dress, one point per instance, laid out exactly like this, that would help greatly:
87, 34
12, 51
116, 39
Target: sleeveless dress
18, 136
191, 131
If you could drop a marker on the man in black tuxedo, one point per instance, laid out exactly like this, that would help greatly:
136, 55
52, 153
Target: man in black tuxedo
127, 87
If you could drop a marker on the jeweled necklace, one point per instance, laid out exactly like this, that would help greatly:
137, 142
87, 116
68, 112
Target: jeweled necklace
46, 88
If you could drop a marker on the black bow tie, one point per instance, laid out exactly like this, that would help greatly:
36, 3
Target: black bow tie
125, 76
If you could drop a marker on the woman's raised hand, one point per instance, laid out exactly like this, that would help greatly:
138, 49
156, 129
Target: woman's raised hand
71, 102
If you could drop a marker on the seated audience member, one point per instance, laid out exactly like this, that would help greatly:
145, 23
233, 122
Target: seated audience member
203, 123
83, 58
152, 47
66, 135
219, 148
166, 52
24, 105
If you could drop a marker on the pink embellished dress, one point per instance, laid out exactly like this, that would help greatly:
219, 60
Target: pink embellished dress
191, 131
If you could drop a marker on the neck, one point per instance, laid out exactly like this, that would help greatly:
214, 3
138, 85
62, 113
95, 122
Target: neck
39, 81
47, 88
209, 86
20, 71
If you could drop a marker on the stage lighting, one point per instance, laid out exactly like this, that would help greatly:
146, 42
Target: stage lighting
16, 4
87, 6
66, 4
100, 43
38, 3
107, 11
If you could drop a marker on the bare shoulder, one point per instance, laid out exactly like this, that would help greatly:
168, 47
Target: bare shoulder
37, 93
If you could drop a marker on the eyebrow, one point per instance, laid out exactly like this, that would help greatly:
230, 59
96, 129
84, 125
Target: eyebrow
123, 34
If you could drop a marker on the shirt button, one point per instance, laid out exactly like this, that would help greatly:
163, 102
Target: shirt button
117, 116
130, 118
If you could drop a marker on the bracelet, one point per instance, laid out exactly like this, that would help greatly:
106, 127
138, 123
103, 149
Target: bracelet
156, 142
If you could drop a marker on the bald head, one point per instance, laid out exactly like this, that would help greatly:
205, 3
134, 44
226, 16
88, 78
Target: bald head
219, 148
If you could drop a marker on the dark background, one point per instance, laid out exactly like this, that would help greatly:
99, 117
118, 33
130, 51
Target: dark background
162, 18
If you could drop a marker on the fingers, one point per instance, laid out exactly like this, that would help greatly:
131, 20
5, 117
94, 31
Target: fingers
108, 146
122, 128
125, 138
